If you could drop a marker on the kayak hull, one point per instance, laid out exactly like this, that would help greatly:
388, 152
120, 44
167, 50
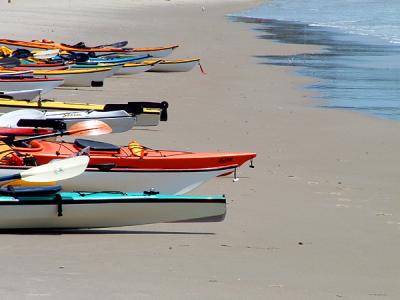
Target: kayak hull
130, 69
99, 210
78, 78
145, 116
139, 180
44, 66
114, 67
119, 121
175, 65
43, 84
23, 94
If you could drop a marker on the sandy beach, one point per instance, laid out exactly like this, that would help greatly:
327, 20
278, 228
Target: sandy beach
317, 218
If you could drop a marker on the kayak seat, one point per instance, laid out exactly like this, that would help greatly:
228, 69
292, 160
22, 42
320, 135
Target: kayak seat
96, 146
29, 190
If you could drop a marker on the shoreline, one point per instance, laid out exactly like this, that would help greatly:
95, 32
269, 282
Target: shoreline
316, 219
371, 91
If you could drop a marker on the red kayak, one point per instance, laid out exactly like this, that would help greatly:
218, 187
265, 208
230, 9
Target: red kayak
48, 44
133, 156
24, 131
131, 168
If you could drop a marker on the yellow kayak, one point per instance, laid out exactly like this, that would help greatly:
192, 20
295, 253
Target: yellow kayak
147, 113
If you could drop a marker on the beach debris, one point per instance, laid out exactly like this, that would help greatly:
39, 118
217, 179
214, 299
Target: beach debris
382, 214
224, 245
301, 243
213, 280
378, 294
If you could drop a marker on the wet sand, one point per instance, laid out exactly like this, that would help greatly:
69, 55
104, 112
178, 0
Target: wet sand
318, 218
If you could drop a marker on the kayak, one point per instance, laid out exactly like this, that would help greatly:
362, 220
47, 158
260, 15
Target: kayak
48, 208
79, 78
45, 44
23, 94
23, 132
182, 65
146, 113
118, 120
43, 66
134, 155
46, 54
17, 74
19, 84
134, 167
136, 68
114, 67
116, 60
130, 179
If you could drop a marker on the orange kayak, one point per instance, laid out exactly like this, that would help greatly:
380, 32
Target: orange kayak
131, 168
133, 156
47, 44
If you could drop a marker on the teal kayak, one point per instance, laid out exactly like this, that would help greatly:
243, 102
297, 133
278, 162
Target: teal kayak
114, 67
116, 60
48, 208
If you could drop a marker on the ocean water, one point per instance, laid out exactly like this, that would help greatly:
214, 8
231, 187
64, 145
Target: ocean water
358, 67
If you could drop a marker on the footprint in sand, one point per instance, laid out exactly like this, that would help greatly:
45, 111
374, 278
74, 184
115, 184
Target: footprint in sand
343, 205
312, 182
344, 200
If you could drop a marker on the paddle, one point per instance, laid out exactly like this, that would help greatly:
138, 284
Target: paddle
53, 171
91, 127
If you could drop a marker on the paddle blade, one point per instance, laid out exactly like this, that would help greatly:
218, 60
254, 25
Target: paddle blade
91, 127
56, 170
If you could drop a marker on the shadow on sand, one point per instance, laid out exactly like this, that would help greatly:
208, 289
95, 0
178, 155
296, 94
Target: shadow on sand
95, 231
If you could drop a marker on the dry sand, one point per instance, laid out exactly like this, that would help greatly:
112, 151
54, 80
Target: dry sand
318, 218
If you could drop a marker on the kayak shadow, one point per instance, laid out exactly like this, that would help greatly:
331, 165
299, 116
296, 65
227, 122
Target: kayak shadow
95, 231
78, 88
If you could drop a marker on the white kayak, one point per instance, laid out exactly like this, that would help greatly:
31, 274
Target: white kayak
75, 210
182, 65
19, 84
115, 68
46, 54
23, 95
118, 120
28, 73
136, 68
78, 78
165, 181
145, 113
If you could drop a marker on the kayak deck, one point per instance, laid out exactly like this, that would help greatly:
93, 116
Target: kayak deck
138, 156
